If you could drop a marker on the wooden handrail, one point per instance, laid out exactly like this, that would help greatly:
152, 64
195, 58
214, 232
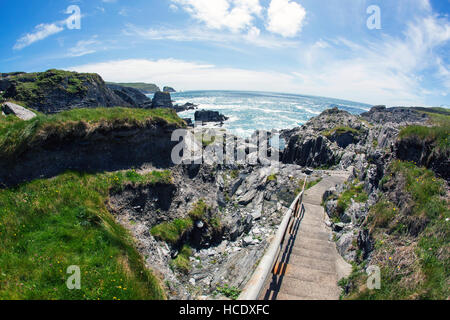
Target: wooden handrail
256, 284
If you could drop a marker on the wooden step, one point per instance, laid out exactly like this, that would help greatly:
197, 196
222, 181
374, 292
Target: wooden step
302, 288
311, 275
326, 265
324, 253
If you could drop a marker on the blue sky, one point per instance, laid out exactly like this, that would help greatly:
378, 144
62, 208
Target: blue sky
316, 47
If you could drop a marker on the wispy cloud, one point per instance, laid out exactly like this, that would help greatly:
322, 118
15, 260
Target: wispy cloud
85, 47
40, 32
253, 36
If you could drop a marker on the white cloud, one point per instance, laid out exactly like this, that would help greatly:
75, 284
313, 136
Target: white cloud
84, 47
388, 71
285, 17
188, 75
253, 36
235, 15
41, 32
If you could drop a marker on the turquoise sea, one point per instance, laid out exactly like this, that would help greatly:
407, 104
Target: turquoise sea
249, 111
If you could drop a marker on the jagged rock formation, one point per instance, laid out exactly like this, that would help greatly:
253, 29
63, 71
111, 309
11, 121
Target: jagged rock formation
56, 90
339, 139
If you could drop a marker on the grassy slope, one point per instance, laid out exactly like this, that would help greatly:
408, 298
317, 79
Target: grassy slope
48, 225
15, 135
411, 241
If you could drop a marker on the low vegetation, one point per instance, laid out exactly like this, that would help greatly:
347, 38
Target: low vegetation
339, 131
51, 224
172, 232
355, 192
182, 263
410, 230
31, 87
229, 292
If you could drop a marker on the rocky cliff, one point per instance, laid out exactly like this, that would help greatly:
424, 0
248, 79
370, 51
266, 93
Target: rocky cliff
56, 90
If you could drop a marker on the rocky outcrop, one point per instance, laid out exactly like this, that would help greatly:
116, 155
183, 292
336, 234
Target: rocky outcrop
324, 140
18, 111
209, 116
162, 100
56, 90
169, 89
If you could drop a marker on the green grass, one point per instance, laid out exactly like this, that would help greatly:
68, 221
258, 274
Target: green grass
199, 211
229, 292
16, 136
355, 192
181, 262
420, 267
48, 225
32, 87
172, 232
339, 131
438, 134
311, 184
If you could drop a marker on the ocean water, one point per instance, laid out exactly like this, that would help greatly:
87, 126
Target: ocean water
249, 111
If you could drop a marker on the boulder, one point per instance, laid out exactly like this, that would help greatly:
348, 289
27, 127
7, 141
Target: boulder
18, 111
162, 100
209, 116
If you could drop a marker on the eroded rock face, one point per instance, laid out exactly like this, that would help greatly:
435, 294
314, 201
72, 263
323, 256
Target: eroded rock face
422, 152
105, 147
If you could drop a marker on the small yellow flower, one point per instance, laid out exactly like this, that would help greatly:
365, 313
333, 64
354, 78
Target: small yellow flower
390, 258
